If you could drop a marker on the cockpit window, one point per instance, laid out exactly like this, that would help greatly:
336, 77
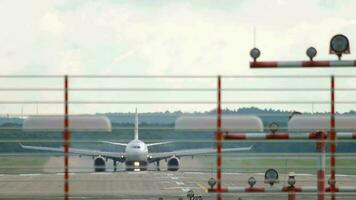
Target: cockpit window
136, 147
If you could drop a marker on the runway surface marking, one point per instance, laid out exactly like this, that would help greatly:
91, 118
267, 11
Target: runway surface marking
202, 187
29, 174
179, 183
304, 174
101, 173
232, 173
193, 172
62, 174
163, 182
163, 177
342, 175
185, 189
145, 172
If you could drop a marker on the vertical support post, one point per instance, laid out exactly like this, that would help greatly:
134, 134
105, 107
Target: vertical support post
332, 138
66, 140
320, 148
218, 138
292, 195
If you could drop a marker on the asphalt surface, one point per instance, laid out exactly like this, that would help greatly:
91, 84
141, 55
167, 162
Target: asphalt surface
85, 184
133, 185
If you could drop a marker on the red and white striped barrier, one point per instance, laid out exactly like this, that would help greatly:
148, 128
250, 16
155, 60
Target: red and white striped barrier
320, 148
283, 136
307, 64
279, 136
280, 189
346, 135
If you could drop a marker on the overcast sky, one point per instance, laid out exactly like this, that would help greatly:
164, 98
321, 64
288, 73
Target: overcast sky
168, 37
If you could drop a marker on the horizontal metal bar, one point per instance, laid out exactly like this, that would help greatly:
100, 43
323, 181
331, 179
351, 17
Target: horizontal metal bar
280, 189
284, 136
143, 76
224, 112
176, 76
179, 89
176, 102
302, 64
31, 76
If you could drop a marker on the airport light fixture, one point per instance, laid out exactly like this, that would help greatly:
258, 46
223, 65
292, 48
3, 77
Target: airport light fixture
273, 127
190, 194
212, 182
311, 53
271, 177
255, 53
339, 44
331, 181
252, 181
291, 179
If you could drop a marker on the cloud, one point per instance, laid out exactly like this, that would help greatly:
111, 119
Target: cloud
123, 56
51, 23
174, 38
70, 62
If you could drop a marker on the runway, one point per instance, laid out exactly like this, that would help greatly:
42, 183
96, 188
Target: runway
47, 182
133, 185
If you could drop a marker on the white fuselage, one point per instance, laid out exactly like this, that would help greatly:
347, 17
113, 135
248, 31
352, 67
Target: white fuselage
136, 150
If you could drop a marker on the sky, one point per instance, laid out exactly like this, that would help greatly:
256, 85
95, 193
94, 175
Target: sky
166, 37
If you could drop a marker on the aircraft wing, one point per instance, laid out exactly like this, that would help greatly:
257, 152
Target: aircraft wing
192, 152
85, 152
158, 143
115, 143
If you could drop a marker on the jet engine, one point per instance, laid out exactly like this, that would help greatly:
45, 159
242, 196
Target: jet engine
173, 164
99, 164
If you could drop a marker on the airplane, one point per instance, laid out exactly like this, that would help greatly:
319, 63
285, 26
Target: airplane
136, 156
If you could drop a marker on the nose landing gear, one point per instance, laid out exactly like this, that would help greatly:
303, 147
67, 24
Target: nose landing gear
157, 166
115, 165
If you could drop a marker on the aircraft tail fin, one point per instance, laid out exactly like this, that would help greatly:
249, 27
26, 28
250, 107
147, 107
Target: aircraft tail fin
136, 126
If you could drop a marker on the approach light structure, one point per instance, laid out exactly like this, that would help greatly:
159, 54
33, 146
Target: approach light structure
339, 45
